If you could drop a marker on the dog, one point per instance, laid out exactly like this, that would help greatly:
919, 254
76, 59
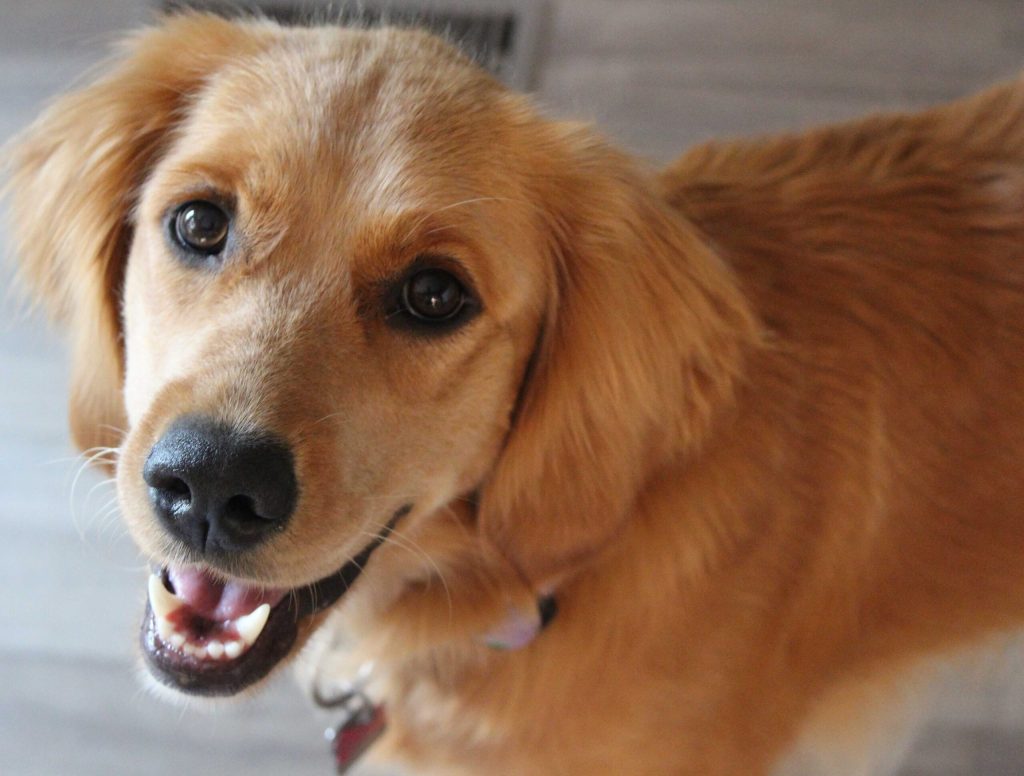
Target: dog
608, 470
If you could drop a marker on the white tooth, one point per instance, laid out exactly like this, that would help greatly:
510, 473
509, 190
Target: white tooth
233, 649
176, 640
164, 628
162, 601
215, 649
189, 648
251, 625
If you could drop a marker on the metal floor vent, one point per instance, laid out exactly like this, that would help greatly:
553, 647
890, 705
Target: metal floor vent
501, 35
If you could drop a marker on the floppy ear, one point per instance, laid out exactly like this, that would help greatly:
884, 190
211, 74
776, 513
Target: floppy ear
644, 338
75, 174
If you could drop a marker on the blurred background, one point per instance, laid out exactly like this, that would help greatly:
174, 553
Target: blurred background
656, 75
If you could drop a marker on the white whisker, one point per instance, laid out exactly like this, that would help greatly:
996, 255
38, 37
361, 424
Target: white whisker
403, 541
473, 200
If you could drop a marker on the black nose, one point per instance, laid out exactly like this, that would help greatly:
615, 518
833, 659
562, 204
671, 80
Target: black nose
219, 490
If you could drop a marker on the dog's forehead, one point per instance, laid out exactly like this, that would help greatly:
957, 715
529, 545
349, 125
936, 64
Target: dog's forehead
355, 152
364, 110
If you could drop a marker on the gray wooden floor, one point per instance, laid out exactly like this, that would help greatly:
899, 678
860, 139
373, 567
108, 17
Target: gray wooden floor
657, 76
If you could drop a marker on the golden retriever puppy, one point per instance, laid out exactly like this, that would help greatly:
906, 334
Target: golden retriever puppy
374, 339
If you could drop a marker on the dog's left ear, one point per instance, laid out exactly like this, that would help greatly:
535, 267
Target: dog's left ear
74, 179
645, 335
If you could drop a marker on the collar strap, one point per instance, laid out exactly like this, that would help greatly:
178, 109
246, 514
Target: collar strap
548, 608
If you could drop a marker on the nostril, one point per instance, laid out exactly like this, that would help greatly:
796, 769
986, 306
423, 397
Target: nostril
171, 493
241, 508
175, 486
241, 514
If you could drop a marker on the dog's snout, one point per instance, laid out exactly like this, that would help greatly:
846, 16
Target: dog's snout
219, 490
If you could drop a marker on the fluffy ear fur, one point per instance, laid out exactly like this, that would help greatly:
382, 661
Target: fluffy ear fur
644, 339
74, 178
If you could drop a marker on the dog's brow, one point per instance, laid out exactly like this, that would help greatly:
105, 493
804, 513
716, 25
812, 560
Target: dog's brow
394, 239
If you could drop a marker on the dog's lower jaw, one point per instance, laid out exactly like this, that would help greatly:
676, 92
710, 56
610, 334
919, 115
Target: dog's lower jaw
177, 634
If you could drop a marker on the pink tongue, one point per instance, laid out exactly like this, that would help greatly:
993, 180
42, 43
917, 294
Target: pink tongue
213, 599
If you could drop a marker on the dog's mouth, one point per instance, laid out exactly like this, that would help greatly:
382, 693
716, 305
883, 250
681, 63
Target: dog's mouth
206, 635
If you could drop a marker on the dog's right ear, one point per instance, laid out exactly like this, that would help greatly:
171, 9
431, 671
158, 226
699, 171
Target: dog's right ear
75, 175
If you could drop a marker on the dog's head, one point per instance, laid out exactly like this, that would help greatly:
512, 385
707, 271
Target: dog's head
321, 282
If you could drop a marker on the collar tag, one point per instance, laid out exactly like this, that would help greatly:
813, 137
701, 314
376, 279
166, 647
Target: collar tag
363, 724
520, 627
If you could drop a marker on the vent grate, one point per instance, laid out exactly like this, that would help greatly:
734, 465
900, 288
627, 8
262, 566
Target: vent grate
501, 35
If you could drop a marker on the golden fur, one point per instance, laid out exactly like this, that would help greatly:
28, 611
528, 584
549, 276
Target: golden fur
757, 421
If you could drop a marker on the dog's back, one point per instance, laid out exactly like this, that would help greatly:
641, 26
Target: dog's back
886, 260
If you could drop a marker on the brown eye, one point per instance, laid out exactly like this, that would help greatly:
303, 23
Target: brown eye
201, 227
433, 296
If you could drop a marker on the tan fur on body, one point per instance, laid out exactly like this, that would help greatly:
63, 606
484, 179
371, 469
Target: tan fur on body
757, 421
